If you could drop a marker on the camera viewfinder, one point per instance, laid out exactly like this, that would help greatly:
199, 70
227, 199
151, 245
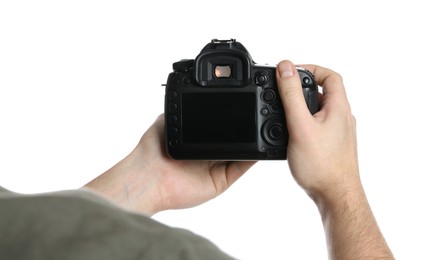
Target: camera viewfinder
222, 71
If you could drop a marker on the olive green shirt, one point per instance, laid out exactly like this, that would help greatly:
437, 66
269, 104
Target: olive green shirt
81, 225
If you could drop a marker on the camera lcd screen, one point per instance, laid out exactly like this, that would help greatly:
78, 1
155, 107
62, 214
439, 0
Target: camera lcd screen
219, 117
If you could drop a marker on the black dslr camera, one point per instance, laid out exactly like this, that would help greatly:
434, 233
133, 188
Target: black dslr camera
222, 106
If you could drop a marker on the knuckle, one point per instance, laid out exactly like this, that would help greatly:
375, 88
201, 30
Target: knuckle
339, 77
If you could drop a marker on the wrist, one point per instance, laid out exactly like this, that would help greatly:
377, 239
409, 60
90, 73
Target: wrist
131, 184
334, 196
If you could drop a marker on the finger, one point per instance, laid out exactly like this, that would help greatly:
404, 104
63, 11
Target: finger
160, 117
330, 81
158, 126
236, 169
224, 174
160, 122
290, 90
154, 134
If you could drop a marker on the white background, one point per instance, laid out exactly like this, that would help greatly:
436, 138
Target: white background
80, 81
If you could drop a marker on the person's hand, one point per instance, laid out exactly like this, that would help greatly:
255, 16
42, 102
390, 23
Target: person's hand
186, 183
322, 155
149, 181
322, 148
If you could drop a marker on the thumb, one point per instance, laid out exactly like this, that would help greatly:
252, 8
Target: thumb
290, 90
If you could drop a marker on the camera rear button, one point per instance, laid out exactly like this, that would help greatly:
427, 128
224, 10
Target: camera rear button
172, 107
275, 108
261, 78
276, 132
269, 96
173, 142
306, 80
174, 131
186, 80
172, 94
172, 119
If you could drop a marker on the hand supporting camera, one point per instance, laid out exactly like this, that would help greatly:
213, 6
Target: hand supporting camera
321, 155
149, 181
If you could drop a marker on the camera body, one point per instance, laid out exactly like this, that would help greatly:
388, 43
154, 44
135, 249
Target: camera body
222, 106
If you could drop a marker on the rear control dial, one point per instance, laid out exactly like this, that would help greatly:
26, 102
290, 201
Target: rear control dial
274, 132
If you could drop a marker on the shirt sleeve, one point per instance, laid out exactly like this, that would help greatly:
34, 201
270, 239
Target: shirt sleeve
81, 225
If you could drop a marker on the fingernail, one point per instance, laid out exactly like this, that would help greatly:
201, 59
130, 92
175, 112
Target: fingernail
285, 69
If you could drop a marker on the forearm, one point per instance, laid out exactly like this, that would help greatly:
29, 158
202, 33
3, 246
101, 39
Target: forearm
350, 227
